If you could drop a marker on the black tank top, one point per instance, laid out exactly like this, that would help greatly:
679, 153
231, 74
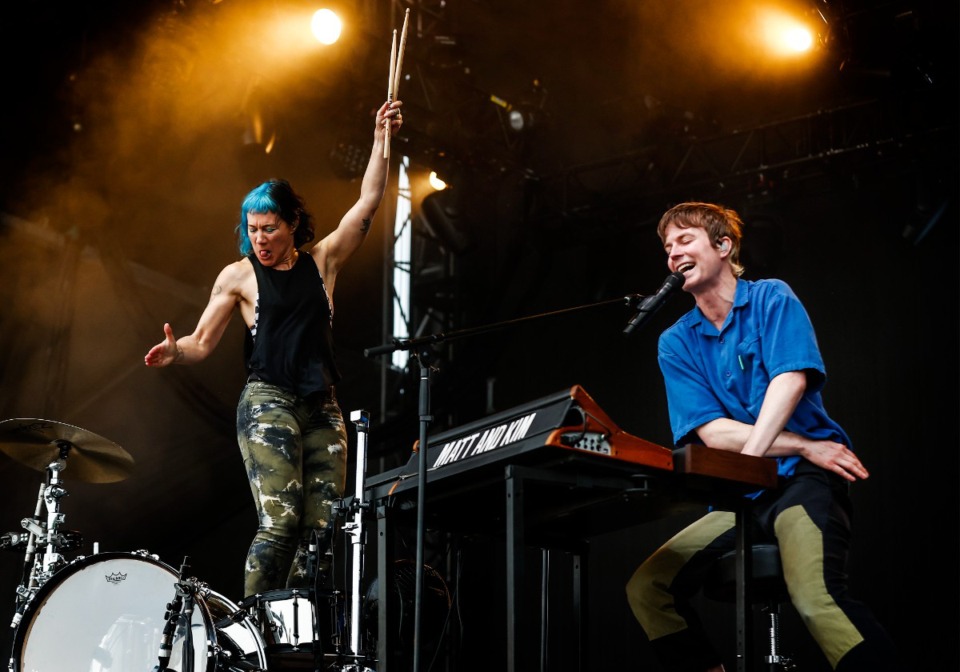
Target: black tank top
291, 343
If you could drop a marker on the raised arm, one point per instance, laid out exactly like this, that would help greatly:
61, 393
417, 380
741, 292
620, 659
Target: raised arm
333, 251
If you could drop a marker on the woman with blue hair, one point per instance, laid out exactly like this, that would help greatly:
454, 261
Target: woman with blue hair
289, 425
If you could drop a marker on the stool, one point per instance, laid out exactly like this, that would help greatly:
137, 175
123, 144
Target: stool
768, 590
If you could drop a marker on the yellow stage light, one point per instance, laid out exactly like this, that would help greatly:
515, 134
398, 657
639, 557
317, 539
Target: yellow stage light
326, 26
436, 182
783, 34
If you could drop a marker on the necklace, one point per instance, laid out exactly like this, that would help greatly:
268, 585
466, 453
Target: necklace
292, 259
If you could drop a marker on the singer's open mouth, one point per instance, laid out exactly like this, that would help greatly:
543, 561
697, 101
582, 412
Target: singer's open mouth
686, 266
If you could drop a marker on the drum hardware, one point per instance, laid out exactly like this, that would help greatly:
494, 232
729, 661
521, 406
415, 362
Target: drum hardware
321, 574
65, 540
232, 659
179, 619
355, 530
201, 631
177, 634
38, 570
13, 541
46, 445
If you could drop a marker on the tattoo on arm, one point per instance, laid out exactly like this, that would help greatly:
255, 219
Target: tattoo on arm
179, 356
217, 289
365, 226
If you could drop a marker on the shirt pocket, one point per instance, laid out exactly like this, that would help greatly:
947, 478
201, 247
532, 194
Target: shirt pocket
753, 379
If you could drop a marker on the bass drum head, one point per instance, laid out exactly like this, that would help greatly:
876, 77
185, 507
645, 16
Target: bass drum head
105, 613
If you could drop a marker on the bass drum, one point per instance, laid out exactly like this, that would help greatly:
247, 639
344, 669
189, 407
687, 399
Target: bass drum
106, 613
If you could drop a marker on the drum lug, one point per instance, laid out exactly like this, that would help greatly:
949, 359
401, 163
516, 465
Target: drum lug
146, 554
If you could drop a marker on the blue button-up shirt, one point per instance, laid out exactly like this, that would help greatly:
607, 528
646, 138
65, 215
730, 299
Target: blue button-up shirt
712, 374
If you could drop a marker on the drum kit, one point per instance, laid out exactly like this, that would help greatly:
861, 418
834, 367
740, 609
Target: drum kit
148, 616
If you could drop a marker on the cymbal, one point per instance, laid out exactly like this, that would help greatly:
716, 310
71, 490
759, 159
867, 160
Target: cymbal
89, 457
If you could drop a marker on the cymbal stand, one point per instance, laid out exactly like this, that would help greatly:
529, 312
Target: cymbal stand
44, 534
52, 560
26, 590
357, 536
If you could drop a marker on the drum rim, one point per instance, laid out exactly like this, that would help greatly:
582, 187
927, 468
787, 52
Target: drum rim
246, 621
276, 594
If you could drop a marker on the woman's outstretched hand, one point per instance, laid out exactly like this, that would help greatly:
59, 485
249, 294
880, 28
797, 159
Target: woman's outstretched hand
165, 352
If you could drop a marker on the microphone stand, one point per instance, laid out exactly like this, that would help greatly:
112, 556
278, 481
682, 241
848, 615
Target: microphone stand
179, 614
420, 349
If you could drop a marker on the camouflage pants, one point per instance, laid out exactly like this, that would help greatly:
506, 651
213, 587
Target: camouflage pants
295, 454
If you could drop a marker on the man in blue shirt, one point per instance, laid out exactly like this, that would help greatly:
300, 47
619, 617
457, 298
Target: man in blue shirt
743, 372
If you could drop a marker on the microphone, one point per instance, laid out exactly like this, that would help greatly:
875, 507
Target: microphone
172, 616
175, 609
651, 304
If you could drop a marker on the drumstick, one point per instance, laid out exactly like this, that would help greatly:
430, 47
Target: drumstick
390, 78
396, 70
403, 45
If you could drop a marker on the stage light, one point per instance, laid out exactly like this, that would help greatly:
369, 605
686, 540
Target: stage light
783, 34
326, 26
796, 39
515, 117
520, 120
436, 182
524, 115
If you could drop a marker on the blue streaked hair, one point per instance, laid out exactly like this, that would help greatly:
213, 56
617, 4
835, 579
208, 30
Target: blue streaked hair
277, 197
